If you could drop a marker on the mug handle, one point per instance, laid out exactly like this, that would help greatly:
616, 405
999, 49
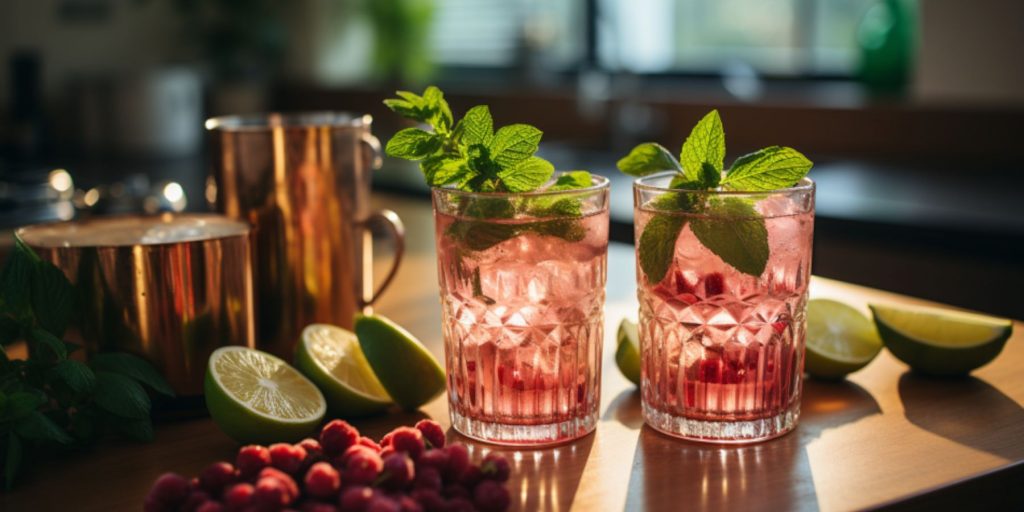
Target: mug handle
394, 224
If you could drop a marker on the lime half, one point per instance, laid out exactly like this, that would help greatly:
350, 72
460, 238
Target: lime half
627, 352
405, 368
257, 398
840, 339
330, 356
941, 342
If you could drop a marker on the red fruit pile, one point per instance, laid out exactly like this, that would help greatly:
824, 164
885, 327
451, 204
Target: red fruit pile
410, 470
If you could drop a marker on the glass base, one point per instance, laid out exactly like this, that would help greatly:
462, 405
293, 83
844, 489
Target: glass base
524, 435
724, 432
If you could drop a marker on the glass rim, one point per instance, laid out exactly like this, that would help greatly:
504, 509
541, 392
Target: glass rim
597, 181
805, 184
300, 119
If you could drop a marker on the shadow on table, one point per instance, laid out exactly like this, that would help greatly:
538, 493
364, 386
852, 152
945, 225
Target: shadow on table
625, 409
966, 410
544, 478
670, 474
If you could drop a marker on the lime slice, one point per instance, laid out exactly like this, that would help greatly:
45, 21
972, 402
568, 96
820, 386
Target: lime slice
627, 353
405, 368
941, 342
330, 356
257, 398
840, 339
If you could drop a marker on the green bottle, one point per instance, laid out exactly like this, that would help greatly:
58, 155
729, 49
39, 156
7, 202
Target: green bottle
887, 36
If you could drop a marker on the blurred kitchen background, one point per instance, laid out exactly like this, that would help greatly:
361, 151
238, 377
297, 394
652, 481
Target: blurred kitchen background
912, 111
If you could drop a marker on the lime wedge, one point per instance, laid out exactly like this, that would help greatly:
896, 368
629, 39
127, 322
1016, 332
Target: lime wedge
840, 339
627, 352
330, 356
941, 342
405, 368
257, 398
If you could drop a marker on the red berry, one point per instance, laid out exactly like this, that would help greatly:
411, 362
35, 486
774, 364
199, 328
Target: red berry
381, 503
369, 443
495, 467
312, 447
407, 504
216, 476
458, 460
471, 476
251, 459
285, 479
287, 457
322, 481
337, 436
238, 496
362, 466
432, 432
456, 491
460, 505
316, 506
356, 498
169, 490
387, 450
398, 471
428, 477
436, 458
210, 506
490, 496
386, 440
195, 500
270, 494
429, 499
714, 284
408, 440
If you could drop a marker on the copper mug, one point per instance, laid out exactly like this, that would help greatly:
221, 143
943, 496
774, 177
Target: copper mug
303, 181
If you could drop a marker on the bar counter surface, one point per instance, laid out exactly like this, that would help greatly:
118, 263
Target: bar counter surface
884, 438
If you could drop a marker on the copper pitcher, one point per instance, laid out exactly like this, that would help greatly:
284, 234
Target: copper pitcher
303, 181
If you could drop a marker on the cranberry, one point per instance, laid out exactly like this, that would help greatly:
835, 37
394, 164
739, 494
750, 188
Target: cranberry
238, 496
316, 506
460, 505
714, 284
495, 467
369, 443
428, 477
429, 499
271, 494
432, 433
386, 440
387, 450
251, 459
170, 489
312, 447
407, 504
337, 436
322, 480
458, 460
490, 496
436, 458
456, 491
285, 479
216, 476
210, 506
471, 476
362, 466
381, 503
398, 471
356, 498
287, 457
408, 440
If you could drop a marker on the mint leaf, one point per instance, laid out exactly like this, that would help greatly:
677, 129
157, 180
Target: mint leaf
131, 366
572, 180
37, 426
527, 174
771, 168
75, 374
571, 230
648, 158
16, 278
476, 127
446, 171
413, 144
480, 235
21, 403
53, 298
441, 114
490, 208
736, 233
121, 396
657, 245
42, 342
513, 144
706, 144
12, 462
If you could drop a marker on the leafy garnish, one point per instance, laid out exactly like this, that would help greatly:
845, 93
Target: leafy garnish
731, 227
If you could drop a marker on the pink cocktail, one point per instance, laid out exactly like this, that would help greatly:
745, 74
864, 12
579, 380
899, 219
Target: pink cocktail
722, 350
522, 281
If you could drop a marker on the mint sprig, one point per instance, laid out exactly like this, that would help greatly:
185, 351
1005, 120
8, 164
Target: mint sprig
730, 227
474, 157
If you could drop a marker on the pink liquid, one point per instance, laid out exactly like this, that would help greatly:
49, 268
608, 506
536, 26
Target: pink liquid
523, 325
722, 351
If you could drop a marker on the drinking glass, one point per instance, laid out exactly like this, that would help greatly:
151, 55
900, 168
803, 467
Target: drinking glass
723, 351
522, 295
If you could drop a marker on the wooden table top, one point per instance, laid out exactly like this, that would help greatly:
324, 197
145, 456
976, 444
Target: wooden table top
882, 438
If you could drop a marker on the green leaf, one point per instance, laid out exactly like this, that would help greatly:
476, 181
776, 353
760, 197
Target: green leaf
514, 143
22, 403
771, 168
657, 246
12, 462
139, 430
476, 127
441, 114
10, 330
706, 143
526, 175
413, 144
77, 375
16, 278
42, 342
53, 298
490, 208
735, 232
571, 230
648, 158
121, 396
37, 426
479, 235
447, 170
131, 366
572, 180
